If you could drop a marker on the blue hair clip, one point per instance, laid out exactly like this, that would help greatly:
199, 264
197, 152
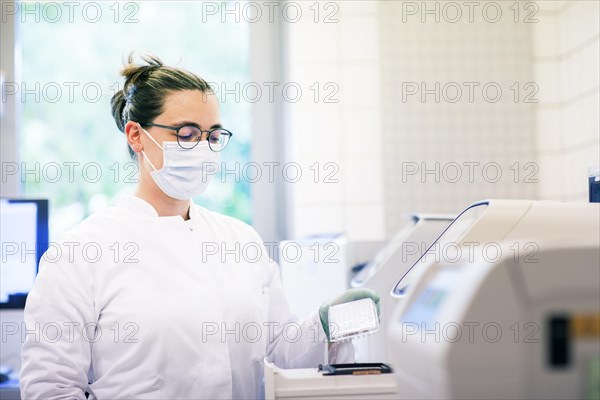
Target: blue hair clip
130, 93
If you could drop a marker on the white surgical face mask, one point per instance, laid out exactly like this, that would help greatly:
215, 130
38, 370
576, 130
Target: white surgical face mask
185, 173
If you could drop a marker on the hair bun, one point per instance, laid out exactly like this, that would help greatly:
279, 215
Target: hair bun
137, 73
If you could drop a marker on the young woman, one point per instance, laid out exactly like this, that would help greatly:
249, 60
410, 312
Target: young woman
153, 298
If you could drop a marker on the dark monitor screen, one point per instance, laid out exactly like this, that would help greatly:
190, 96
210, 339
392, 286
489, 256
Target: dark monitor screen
24, 237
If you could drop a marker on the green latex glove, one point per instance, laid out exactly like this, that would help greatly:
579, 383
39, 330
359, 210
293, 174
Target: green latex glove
347, 296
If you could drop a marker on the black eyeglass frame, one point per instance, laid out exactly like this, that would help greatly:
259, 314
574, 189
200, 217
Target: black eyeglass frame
177, 128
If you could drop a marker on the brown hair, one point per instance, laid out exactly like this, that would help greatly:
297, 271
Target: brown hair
146, 87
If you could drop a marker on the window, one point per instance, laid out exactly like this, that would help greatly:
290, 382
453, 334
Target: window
70, 147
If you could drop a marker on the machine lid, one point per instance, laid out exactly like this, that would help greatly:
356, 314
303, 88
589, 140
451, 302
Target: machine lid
388, 250
369, 270
454, 231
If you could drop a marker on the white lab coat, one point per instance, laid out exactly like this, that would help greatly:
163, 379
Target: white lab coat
149, 307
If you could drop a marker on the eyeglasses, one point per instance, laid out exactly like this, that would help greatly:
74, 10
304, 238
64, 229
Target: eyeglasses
188, 136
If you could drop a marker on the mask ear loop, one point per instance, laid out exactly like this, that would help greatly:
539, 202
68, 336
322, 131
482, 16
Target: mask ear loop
147, 159
144, 153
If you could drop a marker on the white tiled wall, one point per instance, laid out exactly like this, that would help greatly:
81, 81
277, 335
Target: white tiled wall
344, 137
495, 135
543, 148
566, 59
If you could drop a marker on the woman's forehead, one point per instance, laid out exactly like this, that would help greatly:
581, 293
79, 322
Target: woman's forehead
192, 105
191, 98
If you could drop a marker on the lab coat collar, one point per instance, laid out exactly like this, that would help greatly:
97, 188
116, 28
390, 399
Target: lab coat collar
142, 207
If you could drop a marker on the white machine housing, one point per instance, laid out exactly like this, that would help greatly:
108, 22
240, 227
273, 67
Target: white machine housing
388, 265
481, 327
309, 383
478, 225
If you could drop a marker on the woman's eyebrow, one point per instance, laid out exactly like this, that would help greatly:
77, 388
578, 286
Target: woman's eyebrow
182, 123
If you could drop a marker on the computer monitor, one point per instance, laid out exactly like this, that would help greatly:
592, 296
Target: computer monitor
24, 239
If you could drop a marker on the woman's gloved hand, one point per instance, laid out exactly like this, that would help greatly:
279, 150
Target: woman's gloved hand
347, 296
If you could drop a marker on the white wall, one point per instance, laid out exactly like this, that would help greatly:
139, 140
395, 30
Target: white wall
466, 141
9, 123
374, 134
343, 53
542, 137
10, 345
566, 59
268, 208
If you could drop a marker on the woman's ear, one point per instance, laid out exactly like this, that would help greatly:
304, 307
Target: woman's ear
134, 136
